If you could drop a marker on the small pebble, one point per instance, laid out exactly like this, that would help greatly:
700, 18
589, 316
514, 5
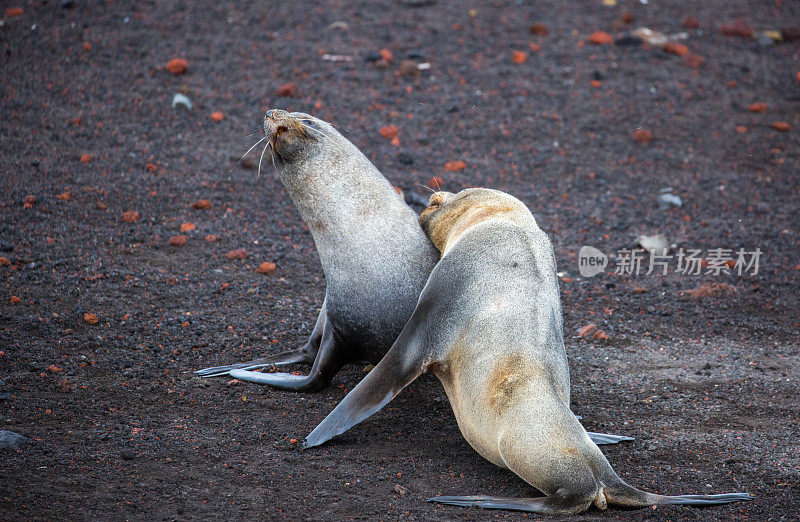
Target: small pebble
177, 241
435, 182
288, 90
666, 201
389, 131
408, 69
601, 38
642, 136
130, 216
455, 165
676, 48
539, 29
127, 454
519, 57
266, 268
690, 22
239, 253
178, 66
738, 28
387, 55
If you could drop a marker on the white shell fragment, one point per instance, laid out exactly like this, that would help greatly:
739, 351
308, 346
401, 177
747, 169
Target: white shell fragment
181, 100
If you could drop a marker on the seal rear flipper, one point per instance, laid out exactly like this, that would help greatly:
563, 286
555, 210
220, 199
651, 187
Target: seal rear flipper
398, 368
541, 505
707, 500
328, 362
280, 359
623, 494
306, 354
605, 438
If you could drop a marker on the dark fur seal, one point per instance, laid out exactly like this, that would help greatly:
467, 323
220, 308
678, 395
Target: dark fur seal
488, 325
374, 254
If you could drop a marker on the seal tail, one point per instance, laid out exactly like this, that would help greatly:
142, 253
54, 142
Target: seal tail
625, 495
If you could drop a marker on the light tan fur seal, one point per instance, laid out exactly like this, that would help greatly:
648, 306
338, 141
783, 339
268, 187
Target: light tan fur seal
488, 325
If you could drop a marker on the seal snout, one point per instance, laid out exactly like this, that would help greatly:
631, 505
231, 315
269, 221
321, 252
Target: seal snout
288, 134
437, 199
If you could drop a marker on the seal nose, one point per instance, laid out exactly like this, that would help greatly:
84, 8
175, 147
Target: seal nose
436, 198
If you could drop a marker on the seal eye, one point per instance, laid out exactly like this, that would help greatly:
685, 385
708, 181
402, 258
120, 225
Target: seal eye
310, 123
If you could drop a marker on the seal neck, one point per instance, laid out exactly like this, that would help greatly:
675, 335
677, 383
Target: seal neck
339, 193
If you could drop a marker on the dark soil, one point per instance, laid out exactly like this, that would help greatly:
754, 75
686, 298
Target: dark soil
120, 428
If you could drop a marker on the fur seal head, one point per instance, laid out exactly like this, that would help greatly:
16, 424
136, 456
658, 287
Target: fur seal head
294, 136
449, 215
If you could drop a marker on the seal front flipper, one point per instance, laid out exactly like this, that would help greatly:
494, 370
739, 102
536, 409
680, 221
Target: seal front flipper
398, 368
306, 354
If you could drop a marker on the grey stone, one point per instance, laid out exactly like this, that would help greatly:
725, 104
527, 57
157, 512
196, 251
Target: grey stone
11, 441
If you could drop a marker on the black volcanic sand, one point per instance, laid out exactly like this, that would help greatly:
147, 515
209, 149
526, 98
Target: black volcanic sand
118, 426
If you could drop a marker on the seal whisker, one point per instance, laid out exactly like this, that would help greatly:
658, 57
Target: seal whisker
248, 152
426, 187
251, 148
261, 158
272, 155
